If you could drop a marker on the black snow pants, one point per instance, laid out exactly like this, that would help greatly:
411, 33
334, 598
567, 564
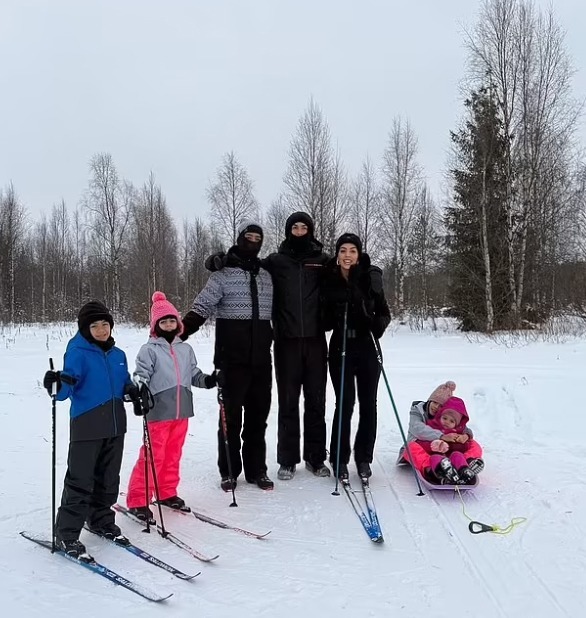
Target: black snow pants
361, 375
248, 388
91, 485
301, 363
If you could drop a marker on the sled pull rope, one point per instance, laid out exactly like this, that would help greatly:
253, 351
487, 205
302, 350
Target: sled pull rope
477, 527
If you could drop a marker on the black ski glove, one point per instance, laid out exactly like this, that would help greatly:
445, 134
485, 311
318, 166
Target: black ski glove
216, 261
52, 377
215, 379
191, 324
57, 377
132, 392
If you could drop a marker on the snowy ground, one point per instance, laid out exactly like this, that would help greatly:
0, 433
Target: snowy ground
525, 405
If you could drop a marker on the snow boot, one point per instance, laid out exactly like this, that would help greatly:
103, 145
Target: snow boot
467, 477
228, 484
364, 471
262, 480
286, 473
177, 503
476, 465
320, 470
143, 513
445, 471
74, 548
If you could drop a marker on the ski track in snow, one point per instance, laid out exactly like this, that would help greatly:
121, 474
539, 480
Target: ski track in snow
525, 406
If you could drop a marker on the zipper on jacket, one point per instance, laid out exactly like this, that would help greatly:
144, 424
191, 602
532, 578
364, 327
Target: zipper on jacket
301, 298
174, 357
112, 392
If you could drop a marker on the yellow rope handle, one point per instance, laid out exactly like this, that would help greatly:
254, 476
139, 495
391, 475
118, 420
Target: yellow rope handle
477, 527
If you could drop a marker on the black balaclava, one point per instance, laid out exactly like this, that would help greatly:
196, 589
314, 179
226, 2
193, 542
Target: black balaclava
167, 335
299, 243
246, 248
91, 312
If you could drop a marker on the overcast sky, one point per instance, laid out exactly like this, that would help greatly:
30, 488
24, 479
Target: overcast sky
170, 86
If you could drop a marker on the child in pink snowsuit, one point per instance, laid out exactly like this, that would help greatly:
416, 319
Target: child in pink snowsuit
168, 367
422, 412
447, 460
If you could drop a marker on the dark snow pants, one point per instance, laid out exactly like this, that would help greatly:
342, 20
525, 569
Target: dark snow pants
248, 388
91, 485
301, 363
361, 375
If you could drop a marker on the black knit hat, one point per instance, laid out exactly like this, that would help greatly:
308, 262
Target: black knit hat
351, 239
299, 217
93, 312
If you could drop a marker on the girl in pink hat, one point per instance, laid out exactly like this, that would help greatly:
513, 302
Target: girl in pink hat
167, 365
426, 429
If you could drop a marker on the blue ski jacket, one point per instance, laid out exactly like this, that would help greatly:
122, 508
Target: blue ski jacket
97, 408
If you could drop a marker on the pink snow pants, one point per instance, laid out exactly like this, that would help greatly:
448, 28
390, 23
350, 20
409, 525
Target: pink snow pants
422, 459
167, 439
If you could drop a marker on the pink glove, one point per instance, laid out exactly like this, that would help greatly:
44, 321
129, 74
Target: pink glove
439, 446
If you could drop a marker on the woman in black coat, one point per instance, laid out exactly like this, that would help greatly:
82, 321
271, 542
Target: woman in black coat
353, 287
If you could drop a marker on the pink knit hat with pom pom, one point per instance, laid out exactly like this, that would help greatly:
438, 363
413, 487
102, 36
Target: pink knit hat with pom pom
443, 392
162, 308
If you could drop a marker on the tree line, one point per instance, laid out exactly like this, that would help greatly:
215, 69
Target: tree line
501, 248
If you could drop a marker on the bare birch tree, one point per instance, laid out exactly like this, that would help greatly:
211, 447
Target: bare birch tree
109, 204
364, 201
231, 198
401, 195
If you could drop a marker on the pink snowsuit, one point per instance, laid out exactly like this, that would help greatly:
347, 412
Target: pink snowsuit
423, 429
170, 370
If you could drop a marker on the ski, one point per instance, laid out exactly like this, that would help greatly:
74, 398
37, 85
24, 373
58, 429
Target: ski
167, 536
373, 534
144, 555
372, 514
220, 524
100, 569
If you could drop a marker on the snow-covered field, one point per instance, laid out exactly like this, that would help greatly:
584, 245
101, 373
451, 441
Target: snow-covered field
527, 409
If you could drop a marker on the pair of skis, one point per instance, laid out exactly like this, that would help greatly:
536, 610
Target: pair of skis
99, 569
367, 514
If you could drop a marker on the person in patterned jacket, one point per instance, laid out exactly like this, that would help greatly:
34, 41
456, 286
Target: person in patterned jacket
241, 298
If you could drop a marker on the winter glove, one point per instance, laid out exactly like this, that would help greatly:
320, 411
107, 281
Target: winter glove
439, 446
52, 377
132, 391
378, 326
191, 324
216, 261
144, 403
210, 381
219, 378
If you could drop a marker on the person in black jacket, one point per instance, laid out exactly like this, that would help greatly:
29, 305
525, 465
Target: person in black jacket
354, 286
300, 346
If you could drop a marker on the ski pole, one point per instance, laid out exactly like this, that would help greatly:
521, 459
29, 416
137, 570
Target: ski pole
405, 443
226, 443
53, 455
149, 450
147, 493
341, 400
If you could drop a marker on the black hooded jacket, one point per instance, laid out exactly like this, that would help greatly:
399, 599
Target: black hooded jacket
363, 291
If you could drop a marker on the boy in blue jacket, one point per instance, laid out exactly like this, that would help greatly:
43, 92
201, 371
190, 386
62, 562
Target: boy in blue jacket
95, 378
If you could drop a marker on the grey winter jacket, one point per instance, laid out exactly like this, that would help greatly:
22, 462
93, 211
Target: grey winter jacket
419, 430
170, 370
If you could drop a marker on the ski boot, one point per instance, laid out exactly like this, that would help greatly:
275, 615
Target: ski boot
111, 532
144, 514
364, 471
74, 548
175, 502
320, 470
228, 484
286, 473
262, 480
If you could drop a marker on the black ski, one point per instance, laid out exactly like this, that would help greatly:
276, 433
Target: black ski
167, 536
220, 524
144, 555
100, 569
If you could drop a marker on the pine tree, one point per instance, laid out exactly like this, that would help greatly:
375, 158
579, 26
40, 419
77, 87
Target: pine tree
476, 223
